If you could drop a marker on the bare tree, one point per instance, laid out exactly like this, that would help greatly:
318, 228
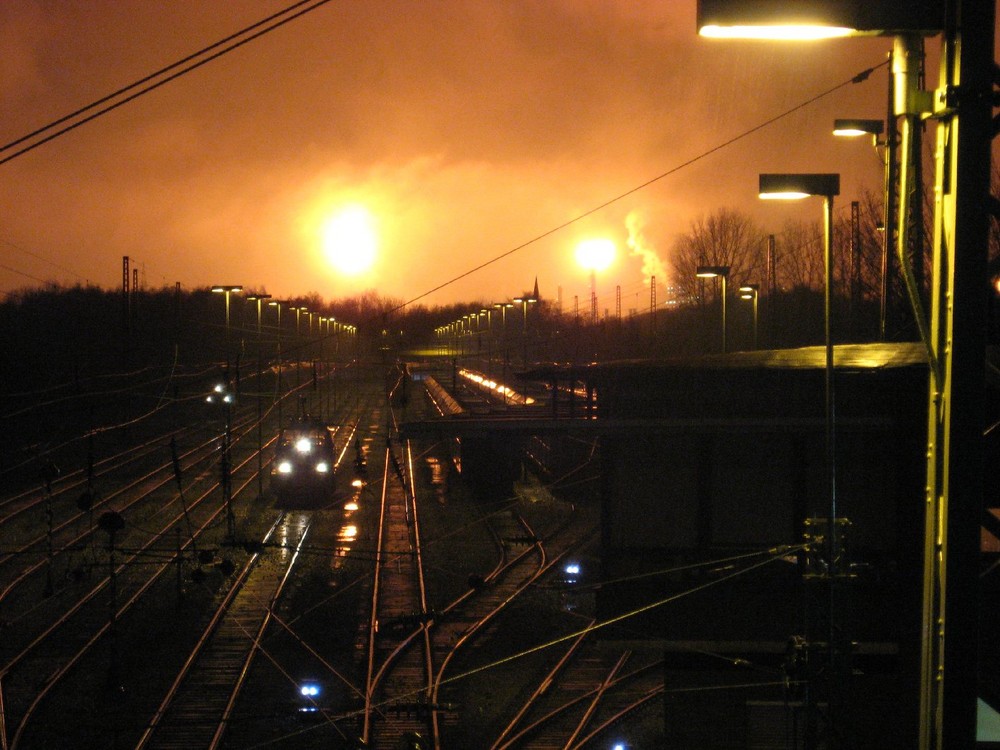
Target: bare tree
725, 238
798, 259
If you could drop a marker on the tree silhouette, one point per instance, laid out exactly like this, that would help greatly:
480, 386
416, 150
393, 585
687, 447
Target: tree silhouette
724, 238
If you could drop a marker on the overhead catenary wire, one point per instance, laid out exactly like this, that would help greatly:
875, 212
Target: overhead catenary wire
857, 78
163, 76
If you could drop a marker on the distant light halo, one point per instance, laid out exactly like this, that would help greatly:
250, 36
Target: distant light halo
349, 240
595, 254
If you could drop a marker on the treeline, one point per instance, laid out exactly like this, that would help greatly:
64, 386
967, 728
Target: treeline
55, 335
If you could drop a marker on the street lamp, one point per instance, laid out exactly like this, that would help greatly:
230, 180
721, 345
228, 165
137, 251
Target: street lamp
955, 341
276, 304
721, 272
853, 128
503, 307
752, 292
524, 301
299, 309
825, 186
259, 299
227, 289
819, 19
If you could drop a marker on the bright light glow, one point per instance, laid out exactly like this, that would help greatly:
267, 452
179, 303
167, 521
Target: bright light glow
791, 195
509, 393
303, 445
572, 568
285, 467
358, 484
322, 467
349, 240
350, 505
850, 132
595, 255
792, 32
309, 690
348, 533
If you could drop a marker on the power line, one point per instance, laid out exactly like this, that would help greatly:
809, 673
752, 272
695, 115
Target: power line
19, 249
858, 78
181, 67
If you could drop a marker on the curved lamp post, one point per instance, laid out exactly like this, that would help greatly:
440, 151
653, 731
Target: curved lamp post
721, 272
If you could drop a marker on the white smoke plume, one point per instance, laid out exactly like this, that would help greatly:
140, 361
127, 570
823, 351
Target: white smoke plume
640, 247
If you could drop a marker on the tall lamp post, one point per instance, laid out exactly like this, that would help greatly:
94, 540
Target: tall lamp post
503, 307
299, 309
856, 127
488, 312
962, 107
227, 495
751, 292
524, 301
259, 299
721, 272
276, 304
227, 289
826, 186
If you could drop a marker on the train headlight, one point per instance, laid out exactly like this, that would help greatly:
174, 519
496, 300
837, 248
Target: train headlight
303, 445
322, 467
285, 467
309, 690
572, 572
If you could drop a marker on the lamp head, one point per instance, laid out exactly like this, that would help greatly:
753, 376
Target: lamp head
227, 288
710, 272
796, 186
853, 127
816, 19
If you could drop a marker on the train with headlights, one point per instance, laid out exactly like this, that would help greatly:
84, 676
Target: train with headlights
304, 463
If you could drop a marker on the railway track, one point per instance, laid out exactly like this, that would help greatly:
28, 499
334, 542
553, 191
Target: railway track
398, 683
199, 704
55, 643
245, 642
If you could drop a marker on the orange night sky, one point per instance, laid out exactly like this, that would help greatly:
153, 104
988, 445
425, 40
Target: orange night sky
466, 129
